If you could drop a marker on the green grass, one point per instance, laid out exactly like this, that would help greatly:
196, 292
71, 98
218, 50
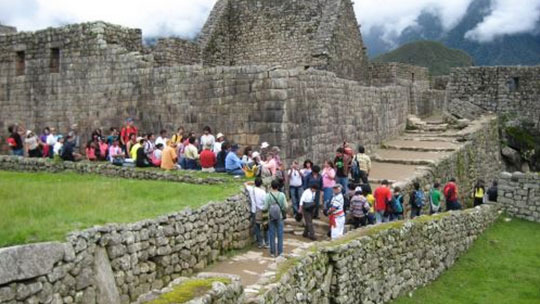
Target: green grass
503, 266
39, 207
188, 290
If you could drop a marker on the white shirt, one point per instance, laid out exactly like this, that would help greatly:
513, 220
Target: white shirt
157, 154
217, 147
257, 196
307, 197
56, 148
51, 139
161, 140
295, 178
208, 140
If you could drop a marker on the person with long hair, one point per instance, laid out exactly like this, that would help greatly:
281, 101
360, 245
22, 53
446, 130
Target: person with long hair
328, 175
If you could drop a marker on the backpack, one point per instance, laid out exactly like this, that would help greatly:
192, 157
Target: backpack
396, 204
274, 213
419, 198
355, 169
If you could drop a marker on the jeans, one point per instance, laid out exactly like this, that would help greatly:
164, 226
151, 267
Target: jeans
309, 232
261, 236
363, 177
453, 205
295, 193
275, 229
380, 217
415, 211
18, 152
236, 172
344, 182
191, 164
328, 193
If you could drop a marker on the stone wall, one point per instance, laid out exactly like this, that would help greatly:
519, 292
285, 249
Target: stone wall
4, 29
118, 263
175, 51
519, 195
502, 90
379, 263
19, 164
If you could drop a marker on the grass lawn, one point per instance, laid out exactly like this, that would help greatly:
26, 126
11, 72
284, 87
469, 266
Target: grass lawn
503, 266
37, 207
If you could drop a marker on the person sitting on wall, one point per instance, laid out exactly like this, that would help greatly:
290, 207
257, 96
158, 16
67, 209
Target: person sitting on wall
220, 139
142, 160
116, 155
156, 156
221, 156
162, 138
233, 164
169, 157
90, 151
15, 141
191, 155
134, 148
31, 143
451, 195
208, 159
68, 150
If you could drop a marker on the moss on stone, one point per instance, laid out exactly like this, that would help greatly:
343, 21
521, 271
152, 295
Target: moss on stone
188, 290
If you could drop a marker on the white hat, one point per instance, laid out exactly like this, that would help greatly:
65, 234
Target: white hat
358, 189
28, 132
264, 145
255, 154
219, 135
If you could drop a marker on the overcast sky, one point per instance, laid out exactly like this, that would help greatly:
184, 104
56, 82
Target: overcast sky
185, 18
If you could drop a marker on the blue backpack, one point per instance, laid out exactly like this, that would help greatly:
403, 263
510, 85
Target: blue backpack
396, 204
419, 198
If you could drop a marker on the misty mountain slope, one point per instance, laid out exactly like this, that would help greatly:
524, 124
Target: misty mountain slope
517, 49
430, 54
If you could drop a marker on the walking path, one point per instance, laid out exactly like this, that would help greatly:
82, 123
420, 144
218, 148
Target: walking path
395, 161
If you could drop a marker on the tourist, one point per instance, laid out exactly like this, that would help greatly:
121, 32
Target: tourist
68, 150
74, 134
116, 155
343, 164
156, 156
130, 143
435, 197
97, 134
450, 192
169, 157
277, 158
479, 193
178, 137
270, 164
328, 175
315, 179
90, 151
162, 138
191, 155
275, 203
351, 190
52, 139
493, 192
368, 193
252, 167
396, 206
113, 135
383, 196
264, 151
103, 149
127, 132
220, 138
15, 141
281, 177
295, 178
359, 208
417, 200
208, 159
207, 138
306, 207
221, 157
57, 148
247, 156
257, 197
149, 145
142, 160
135, 147
233, 164
306, 170
363, 163
43, 142
336, 213
31, 144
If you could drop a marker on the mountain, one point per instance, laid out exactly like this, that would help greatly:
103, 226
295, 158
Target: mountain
430, 54
518, 49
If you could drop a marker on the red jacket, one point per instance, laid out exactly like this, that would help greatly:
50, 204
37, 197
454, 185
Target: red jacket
382, 195
450, 192
208, 159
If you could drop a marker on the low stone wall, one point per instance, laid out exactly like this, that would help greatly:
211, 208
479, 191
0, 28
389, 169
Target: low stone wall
20, 164
118, 263
519, 195
378, 263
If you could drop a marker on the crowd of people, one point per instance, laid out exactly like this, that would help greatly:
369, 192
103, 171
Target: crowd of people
339, 191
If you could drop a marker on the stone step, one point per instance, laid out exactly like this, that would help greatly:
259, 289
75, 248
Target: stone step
391, 172
428, 138
408, 155
422, 149
419, 133
415, 162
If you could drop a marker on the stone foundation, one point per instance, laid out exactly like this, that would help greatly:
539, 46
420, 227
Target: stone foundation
519, 195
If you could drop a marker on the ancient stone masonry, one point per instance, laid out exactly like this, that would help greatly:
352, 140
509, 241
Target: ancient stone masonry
4, 29
402, 256
20, 164
502, 90
118, 263
174, 51
519, 195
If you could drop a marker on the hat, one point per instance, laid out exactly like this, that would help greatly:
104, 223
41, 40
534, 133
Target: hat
337, 186
220, 135
358, 189
28, 132
255, 154
264, 145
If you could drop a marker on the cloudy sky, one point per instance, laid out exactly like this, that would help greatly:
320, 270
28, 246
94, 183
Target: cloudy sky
185, 18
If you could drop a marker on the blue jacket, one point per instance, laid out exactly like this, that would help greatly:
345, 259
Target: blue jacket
233, 162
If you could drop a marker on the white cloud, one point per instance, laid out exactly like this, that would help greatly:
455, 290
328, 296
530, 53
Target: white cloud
507, 17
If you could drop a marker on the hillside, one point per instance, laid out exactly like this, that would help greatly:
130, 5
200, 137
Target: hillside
430, 54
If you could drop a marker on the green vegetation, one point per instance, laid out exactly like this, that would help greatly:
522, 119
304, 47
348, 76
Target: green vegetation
501, 267
188, 290
44, 207
430, 54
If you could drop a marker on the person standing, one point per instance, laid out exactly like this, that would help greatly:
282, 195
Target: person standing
397, 205
275, 203
451, 195
383, 196
417, 200
295, 186
479, 192
15, 141
315, 179
257, 196
336, 213
359, 208
306, 207
343, 165
435, 196
363, 163
328, 175
493, 192
127, 132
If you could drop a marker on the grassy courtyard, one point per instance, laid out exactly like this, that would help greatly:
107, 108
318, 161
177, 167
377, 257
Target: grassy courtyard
503, 266
38, 207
